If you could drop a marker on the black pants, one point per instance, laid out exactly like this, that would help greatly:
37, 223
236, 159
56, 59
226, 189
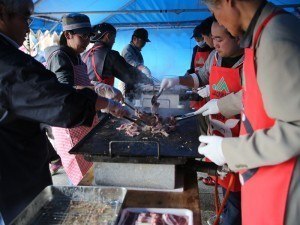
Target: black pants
232, 210
12, 204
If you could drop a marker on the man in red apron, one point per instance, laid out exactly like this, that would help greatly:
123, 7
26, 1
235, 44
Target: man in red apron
267, 152
224, 79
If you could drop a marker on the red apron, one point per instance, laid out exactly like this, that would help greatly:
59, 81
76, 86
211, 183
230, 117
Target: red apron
265, 189
66, 138
108, 80
199, 61
223, 81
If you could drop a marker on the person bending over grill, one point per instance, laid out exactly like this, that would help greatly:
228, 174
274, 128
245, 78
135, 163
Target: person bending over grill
31, 95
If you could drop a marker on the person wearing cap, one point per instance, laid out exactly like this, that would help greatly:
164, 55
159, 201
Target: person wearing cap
104, 64
200, 54
65, 61
222, 73
30, 95
267, 152
202, 49
132, 52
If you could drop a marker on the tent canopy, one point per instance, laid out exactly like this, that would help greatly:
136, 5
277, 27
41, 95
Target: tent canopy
169, 22
131, 13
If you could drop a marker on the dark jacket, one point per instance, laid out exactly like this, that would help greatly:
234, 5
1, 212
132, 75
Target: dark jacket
109, 63
59, 63
31, 95
204, 48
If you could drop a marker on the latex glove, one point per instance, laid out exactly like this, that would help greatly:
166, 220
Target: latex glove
204, 91
209, 108
107, 91
168, 83
116, 109
213, 149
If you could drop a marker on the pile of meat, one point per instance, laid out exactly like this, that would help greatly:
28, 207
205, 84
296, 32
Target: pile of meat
133, 218
152, 123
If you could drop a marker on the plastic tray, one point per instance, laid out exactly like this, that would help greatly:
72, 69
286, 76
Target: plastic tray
173, 211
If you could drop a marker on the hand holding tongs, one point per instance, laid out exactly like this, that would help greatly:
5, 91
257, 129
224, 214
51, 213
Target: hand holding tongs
155, 97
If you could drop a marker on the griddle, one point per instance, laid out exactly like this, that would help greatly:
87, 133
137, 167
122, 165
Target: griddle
106, 144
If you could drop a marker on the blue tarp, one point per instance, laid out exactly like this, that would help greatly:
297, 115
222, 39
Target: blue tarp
169, 22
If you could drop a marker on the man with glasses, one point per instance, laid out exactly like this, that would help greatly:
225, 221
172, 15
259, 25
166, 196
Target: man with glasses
30, 95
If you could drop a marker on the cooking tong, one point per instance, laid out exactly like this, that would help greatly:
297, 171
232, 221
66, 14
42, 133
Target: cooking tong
185, 116
137, 121
155, 97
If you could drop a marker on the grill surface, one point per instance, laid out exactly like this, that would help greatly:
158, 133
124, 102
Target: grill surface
105, 143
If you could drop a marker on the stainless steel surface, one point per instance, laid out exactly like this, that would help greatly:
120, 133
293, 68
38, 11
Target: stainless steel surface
73, 205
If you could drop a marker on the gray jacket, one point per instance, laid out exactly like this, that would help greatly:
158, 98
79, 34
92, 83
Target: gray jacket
278, 77
132, 55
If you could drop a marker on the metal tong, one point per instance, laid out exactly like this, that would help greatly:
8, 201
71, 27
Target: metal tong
137, 121
130, 106
185, 116
155, 97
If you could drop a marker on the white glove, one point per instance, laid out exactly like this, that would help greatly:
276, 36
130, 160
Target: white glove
145, 70
209, 108
107, 91
116, 109
204, 91
213, 149
168, 83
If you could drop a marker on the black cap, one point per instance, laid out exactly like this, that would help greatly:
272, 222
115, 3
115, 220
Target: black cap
206, 26
142, 34
100, 30
197, 32
76, 22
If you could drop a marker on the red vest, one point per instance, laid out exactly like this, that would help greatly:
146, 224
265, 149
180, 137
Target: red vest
223, 81
265, 189
199, 61
109, 80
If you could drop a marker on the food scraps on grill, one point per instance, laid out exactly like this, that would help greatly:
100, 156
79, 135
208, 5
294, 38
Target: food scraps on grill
155, 124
